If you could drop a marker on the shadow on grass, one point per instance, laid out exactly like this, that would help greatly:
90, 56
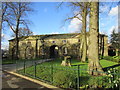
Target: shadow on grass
106, 68
78, 65
84, 80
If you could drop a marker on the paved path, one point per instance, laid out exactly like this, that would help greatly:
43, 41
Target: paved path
9, 67
12, 67
10, 81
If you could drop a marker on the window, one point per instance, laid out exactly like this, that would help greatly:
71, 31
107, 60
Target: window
53, 41
64, 41
78, 40
23, 44
29, 43
65, 50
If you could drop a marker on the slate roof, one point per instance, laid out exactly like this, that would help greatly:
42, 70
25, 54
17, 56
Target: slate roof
51, 36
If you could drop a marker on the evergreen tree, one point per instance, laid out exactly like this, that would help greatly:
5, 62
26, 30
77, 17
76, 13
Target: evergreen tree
115, 42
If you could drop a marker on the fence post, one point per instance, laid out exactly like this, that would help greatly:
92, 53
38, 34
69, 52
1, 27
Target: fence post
52, 73
35, 68
24, 66
16, 65
78, 80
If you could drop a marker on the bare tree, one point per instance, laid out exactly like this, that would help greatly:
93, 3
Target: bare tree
3, 8
83, 10
3, 14
23, 32
0, 31
17, 18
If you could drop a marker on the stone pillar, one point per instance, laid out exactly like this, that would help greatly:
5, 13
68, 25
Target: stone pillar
65, 50
105, 46
60, 51
11, 46
36, 48
10, 50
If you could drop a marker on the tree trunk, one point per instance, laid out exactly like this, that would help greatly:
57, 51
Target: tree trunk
17, 46
17, 39
94, 66
80, 49
36, 48
103, 46
17, 31
117, 52
84, 13
0, 35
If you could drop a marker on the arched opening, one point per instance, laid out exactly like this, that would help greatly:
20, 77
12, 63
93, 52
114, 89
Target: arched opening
29, 52
65, 50
111, 51
54, 51
13, 52
41, 52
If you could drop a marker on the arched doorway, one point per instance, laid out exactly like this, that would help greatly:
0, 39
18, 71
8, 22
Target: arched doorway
29, 52
111, 51
64, 50
54, 51
14, 52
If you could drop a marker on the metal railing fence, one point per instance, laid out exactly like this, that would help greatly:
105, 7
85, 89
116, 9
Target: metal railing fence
79, 78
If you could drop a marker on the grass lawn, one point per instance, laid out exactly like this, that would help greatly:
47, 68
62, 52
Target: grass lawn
106, 63
47, 71
56, 64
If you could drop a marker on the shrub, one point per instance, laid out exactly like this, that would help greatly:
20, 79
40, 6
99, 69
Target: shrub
84, 80
116, 59
64, 79
95, 82
112, 79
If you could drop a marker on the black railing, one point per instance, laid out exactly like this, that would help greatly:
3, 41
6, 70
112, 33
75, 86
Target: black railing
49, 74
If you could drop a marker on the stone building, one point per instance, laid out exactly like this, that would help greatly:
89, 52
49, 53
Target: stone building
53, 46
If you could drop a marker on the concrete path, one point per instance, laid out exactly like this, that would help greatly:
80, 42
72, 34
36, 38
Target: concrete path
10, 81
9, 67
13, 67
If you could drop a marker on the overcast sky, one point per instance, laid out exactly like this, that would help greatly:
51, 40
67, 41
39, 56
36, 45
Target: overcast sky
48, 19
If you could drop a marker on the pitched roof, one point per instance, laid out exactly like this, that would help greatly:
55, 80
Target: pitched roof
54, 36
51, 36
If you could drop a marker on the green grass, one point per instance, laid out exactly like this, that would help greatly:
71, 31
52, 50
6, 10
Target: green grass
45, 71
46, 66
106, 63
57, 62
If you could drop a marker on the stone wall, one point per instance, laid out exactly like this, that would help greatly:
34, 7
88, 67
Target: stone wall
34, 47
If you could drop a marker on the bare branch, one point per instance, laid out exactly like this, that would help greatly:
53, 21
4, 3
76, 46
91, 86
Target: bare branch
76, 16
59, 5
10, 26
77, 4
